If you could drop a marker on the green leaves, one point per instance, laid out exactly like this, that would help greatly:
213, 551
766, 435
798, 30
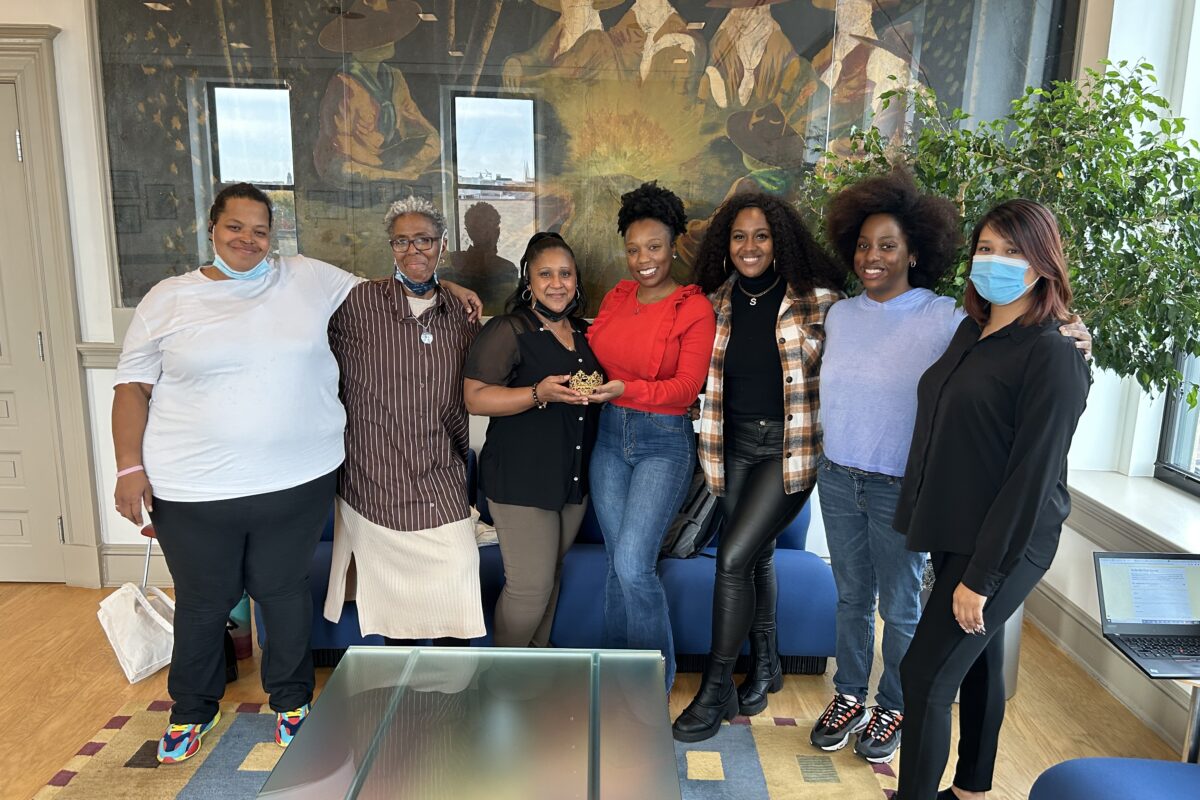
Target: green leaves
1107, 156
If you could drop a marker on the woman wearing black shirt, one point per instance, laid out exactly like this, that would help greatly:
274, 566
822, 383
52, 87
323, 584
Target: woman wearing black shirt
985, 490
529, 370
771, 286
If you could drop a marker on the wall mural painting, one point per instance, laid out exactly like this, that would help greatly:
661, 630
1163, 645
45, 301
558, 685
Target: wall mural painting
579, 102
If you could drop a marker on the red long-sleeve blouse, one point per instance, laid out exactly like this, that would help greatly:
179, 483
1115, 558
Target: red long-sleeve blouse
660, 350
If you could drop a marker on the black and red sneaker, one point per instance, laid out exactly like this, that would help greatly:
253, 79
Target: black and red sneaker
879, 740
845, 715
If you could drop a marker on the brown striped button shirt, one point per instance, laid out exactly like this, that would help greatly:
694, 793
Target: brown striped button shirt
800, 334
406, 423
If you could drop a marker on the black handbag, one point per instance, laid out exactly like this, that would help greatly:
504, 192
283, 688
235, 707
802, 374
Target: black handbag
698, 521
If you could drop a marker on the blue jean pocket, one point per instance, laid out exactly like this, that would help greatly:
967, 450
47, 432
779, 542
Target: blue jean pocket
669, 422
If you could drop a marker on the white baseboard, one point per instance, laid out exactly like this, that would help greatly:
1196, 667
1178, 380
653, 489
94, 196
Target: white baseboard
1161, 704
124, 563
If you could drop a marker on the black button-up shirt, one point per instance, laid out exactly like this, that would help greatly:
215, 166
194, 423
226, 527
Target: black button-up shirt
539, 457
987, 470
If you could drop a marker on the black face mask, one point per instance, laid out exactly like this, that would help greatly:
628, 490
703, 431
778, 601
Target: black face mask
540, 308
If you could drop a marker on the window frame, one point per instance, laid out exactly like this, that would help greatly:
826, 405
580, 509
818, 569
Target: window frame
456, 92
1176, 406
214, 139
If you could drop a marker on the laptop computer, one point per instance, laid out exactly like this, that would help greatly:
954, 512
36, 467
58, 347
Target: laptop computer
1150, 610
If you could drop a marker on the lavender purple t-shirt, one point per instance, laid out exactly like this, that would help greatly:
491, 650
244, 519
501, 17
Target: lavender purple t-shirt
874, 355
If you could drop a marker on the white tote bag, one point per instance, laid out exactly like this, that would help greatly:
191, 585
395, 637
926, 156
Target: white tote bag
140, 627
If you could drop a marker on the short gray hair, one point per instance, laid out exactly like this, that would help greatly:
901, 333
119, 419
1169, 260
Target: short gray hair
414, 205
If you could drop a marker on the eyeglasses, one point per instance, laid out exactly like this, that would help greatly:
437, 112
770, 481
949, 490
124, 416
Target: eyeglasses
422, 243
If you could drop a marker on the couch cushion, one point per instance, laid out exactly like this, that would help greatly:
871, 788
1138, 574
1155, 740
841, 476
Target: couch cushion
806, 601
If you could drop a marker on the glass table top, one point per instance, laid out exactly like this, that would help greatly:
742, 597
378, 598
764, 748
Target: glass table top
501, 724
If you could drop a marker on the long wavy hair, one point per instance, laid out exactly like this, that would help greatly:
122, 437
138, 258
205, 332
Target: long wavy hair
799, 258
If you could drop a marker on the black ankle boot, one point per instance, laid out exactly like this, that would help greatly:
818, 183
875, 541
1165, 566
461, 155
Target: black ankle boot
715, 702
764, 674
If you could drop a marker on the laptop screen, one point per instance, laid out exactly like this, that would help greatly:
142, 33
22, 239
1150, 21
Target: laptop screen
1142, 590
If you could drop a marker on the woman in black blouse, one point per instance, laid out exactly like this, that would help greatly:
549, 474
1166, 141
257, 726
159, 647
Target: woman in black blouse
985, 490
530, 370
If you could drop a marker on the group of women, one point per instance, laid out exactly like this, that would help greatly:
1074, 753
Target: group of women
945, 431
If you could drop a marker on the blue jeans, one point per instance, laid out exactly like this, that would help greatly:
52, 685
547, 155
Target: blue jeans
868, 557
640, 471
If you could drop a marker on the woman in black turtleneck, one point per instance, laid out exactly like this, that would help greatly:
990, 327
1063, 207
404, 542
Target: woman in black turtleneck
771, 285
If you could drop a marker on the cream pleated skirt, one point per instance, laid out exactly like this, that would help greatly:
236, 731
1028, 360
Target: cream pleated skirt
407, 584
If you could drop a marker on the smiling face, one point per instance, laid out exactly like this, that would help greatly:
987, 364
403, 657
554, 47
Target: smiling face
882, 258
648, 251
751, 248
552, 279
418, 265
242, 234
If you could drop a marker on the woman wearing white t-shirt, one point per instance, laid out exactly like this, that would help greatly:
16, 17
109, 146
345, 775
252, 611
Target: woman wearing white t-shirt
228, 428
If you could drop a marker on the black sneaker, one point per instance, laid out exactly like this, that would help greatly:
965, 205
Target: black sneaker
844, 716
880, 739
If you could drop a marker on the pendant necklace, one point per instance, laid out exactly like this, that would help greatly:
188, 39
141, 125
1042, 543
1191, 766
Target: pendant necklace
426, 336
754, 297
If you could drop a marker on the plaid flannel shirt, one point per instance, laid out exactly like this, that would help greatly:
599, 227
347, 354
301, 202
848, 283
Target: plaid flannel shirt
800, 332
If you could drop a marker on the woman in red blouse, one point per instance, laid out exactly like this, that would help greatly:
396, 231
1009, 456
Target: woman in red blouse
653, 338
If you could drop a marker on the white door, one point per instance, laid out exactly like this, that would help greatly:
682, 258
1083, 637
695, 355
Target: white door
30, 547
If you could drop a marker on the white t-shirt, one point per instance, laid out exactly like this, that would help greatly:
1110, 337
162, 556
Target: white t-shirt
245, 394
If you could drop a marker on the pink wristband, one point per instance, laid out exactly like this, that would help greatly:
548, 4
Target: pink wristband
130, 470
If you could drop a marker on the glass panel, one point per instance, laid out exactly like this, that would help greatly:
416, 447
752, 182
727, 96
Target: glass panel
482, 723
562, 111
637, 753
338, 735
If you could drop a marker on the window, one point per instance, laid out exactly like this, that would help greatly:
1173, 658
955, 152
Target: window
496, 208
1179, 449
252, 142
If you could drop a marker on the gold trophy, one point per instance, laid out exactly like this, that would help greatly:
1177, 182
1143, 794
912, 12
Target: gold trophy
586, 384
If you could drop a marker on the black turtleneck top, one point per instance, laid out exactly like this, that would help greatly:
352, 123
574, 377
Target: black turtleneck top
753, 371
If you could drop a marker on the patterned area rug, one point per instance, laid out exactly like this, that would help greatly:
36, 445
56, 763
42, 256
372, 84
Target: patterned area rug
752, 758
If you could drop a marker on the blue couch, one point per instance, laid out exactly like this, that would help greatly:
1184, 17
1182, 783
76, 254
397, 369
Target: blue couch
807, 599
1117, 779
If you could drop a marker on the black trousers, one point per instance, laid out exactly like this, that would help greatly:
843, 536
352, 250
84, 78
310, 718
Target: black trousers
216, 550
756, 511
942, 658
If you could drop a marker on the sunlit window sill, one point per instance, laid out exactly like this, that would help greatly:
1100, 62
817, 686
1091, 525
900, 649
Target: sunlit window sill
1137, 514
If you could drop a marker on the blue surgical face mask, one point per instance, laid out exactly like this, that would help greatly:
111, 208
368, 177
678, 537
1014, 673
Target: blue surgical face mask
1000, 280
261, 269
419, 289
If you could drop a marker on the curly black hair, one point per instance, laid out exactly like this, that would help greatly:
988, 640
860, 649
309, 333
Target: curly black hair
651, 201
799, 258
931, 225
539, 243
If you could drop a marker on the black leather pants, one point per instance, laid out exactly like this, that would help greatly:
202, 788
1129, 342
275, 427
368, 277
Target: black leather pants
756, 511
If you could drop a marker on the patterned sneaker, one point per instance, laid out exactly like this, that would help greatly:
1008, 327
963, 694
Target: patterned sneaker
288, 723
844, 716
181, 742
879, 740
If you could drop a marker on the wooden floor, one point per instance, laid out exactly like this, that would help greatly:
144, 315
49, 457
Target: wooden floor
59, 683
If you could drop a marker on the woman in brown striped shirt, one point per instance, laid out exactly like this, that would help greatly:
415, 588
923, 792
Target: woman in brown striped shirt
402, 512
